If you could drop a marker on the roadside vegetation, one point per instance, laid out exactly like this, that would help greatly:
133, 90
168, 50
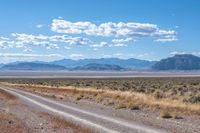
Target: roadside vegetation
169, 96
60, 123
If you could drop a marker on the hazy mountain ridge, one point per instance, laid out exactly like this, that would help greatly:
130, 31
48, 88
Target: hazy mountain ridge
32, 66
126, 63
99, 67
1, 64
178, 62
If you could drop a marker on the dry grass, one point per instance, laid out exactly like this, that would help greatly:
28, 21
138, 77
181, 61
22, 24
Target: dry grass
116, 98
165, 114
168, 115
120, 105
60, 123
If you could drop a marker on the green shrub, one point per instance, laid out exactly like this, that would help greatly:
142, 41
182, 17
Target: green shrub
194, 99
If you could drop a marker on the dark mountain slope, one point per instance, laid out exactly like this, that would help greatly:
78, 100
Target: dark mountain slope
178, 62
99, 67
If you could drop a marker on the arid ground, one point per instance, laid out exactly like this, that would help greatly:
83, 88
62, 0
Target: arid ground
164, 103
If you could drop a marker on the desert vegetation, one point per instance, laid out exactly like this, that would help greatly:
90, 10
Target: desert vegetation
171, 95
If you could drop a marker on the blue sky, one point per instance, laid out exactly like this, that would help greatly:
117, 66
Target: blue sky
54, 29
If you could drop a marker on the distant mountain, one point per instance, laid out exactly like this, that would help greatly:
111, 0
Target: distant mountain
1, 64
99, 67
178, 62
125, 63
66, 62
32, 66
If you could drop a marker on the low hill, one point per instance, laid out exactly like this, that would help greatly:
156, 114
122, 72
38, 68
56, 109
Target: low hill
32, 66
178, 62
99, 67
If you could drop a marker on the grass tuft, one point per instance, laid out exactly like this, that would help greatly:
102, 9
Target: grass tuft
165, 114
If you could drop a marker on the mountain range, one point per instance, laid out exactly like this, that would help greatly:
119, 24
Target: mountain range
108, 64
99, 67
125, 63
177, 62
32, 66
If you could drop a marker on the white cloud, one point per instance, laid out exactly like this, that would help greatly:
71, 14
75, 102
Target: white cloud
122, 40
144, 56
118, 45
167, 39
102, 44
22, 55
22, 40
62, 26
66, 47
177, 52
10, 57
75, 40
4, 38
52, 46
39, 26
28, 50
6, 43
76, 55
110, 29
105, 44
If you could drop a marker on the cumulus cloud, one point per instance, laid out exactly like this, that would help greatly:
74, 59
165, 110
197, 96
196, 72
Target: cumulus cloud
122, 40
69, 39
5, 43
4, 38
177, 52
118, 45
52, 46
105, 44
128, 55
102, 44
22, 55
62, 26
28, 50
76, 55
110, 29
66, 47
22, 40
39, 26
119, 33
167, 39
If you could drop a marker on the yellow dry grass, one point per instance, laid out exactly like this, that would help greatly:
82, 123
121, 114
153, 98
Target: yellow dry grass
128, 98
60, 123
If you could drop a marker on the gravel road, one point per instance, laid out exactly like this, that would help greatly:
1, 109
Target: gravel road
99, 122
